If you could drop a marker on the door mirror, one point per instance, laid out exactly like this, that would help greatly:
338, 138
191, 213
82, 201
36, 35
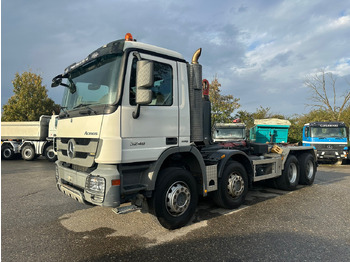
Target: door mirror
56, 81
144, 81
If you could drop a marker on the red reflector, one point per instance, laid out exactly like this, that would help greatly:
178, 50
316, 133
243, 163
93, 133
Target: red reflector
116, 182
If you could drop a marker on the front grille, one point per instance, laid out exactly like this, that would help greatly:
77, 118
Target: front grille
83, 151
330, 147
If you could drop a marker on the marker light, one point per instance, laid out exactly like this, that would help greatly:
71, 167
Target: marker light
128, 37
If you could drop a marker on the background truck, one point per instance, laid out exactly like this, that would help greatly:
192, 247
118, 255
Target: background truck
329, 138
30, 139
270, 130
223, 132
136, 128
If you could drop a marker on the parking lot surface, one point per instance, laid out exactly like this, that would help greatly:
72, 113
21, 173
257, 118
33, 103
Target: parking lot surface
39, 223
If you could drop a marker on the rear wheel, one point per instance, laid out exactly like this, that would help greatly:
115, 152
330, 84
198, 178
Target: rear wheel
290, 175
175, 199
307, 169
7, 152
50, 154
232, 186
28, 152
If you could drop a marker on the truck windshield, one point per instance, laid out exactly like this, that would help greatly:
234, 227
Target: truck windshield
95, 83
323, 132
226, 133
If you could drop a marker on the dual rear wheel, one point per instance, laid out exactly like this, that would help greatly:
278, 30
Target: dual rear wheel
296, 171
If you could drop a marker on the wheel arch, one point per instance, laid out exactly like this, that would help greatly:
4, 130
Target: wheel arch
240, 157
187, 157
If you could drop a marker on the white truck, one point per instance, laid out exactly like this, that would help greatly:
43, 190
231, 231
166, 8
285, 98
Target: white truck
135, 128
30, 139
223, 132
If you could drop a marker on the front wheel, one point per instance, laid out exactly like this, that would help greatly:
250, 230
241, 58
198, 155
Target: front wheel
232, 186
50, 154
290, 174
175, 198
28, 153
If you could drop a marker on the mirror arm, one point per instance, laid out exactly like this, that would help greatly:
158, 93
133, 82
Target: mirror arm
137, 55
136, 113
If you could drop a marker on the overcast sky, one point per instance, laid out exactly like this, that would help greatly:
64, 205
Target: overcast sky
261, 51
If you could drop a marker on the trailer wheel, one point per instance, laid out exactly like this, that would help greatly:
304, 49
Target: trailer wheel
7, 152
28, 153
50, 154
308, 169
232, 186
175, 198
290, 175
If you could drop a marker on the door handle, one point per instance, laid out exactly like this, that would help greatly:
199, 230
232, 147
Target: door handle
171, 141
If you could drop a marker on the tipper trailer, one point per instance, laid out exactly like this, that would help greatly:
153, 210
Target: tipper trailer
136, 128
29, 138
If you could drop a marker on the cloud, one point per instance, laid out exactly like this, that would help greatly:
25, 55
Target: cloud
260, 50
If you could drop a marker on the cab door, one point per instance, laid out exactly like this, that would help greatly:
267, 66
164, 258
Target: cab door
156, 128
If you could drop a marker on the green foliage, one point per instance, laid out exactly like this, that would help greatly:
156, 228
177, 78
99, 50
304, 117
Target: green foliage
30, 99
222, 107
317, 115
260, 113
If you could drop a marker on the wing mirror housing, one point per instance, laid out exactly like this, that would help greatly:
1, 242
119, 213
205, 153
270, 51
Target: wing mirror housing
144, 82
56, 81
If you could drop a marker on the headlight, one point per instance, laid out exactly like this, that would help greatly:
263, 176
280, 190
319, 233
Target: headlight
95, 184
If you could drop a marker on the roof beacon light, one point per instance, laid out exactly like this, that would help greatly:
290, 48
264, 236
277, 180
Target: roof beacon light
128, 37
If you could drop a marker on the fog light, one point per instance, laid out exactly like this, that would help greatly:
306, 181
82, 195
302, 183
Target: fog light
95, 184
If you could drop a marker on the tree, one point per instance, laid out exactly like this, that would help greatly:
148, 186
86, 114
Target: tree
260, 113
222, 106
321, 85
30, 99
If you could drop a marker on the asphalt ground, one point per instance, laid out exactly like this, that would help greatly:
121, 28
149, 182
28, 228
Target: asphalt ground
39, 223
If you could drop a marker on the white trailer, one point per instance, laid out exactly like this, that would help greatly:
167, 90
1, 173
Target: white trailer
136, 128
30, 138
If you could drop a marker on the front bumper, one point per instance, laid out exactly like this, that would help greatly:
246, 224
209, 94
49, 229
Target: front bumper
73, 184
323, 154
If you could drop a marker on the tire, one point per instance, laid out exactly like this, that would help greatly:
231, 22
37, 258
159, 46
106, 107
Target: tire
50, 154
28, 152
232, 186
7, 152
175, 198
308, 168
290, 175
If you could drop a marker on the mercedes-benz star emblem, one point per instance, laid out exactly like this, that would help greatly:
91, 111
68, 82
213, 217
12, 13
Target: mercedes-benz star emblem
71, 147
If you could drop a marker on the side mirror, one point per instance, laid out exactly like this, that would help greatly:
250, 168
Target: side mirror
56, 81
144, 80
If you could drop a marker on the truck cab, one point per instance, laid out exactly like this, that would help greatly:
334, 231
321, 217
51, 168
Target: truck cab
329, 138
227, 132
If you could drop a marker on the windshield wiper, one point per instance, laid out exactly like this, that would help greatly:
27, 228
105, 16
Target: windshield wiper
88, 111
64, 109
81, 105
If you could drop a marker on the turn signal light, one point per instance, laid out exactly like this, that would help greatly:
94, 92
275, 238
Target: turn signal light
116, 182
128, 37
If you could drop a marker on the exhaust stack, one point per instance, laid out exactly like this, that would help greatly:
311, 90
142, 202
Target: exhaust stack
195, 91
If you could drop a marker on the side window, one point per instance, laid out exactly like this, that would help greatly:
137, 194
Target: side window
307, 133
162, 90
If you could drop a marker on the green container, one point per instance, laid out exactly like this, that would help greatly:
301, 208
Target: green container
270, 131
